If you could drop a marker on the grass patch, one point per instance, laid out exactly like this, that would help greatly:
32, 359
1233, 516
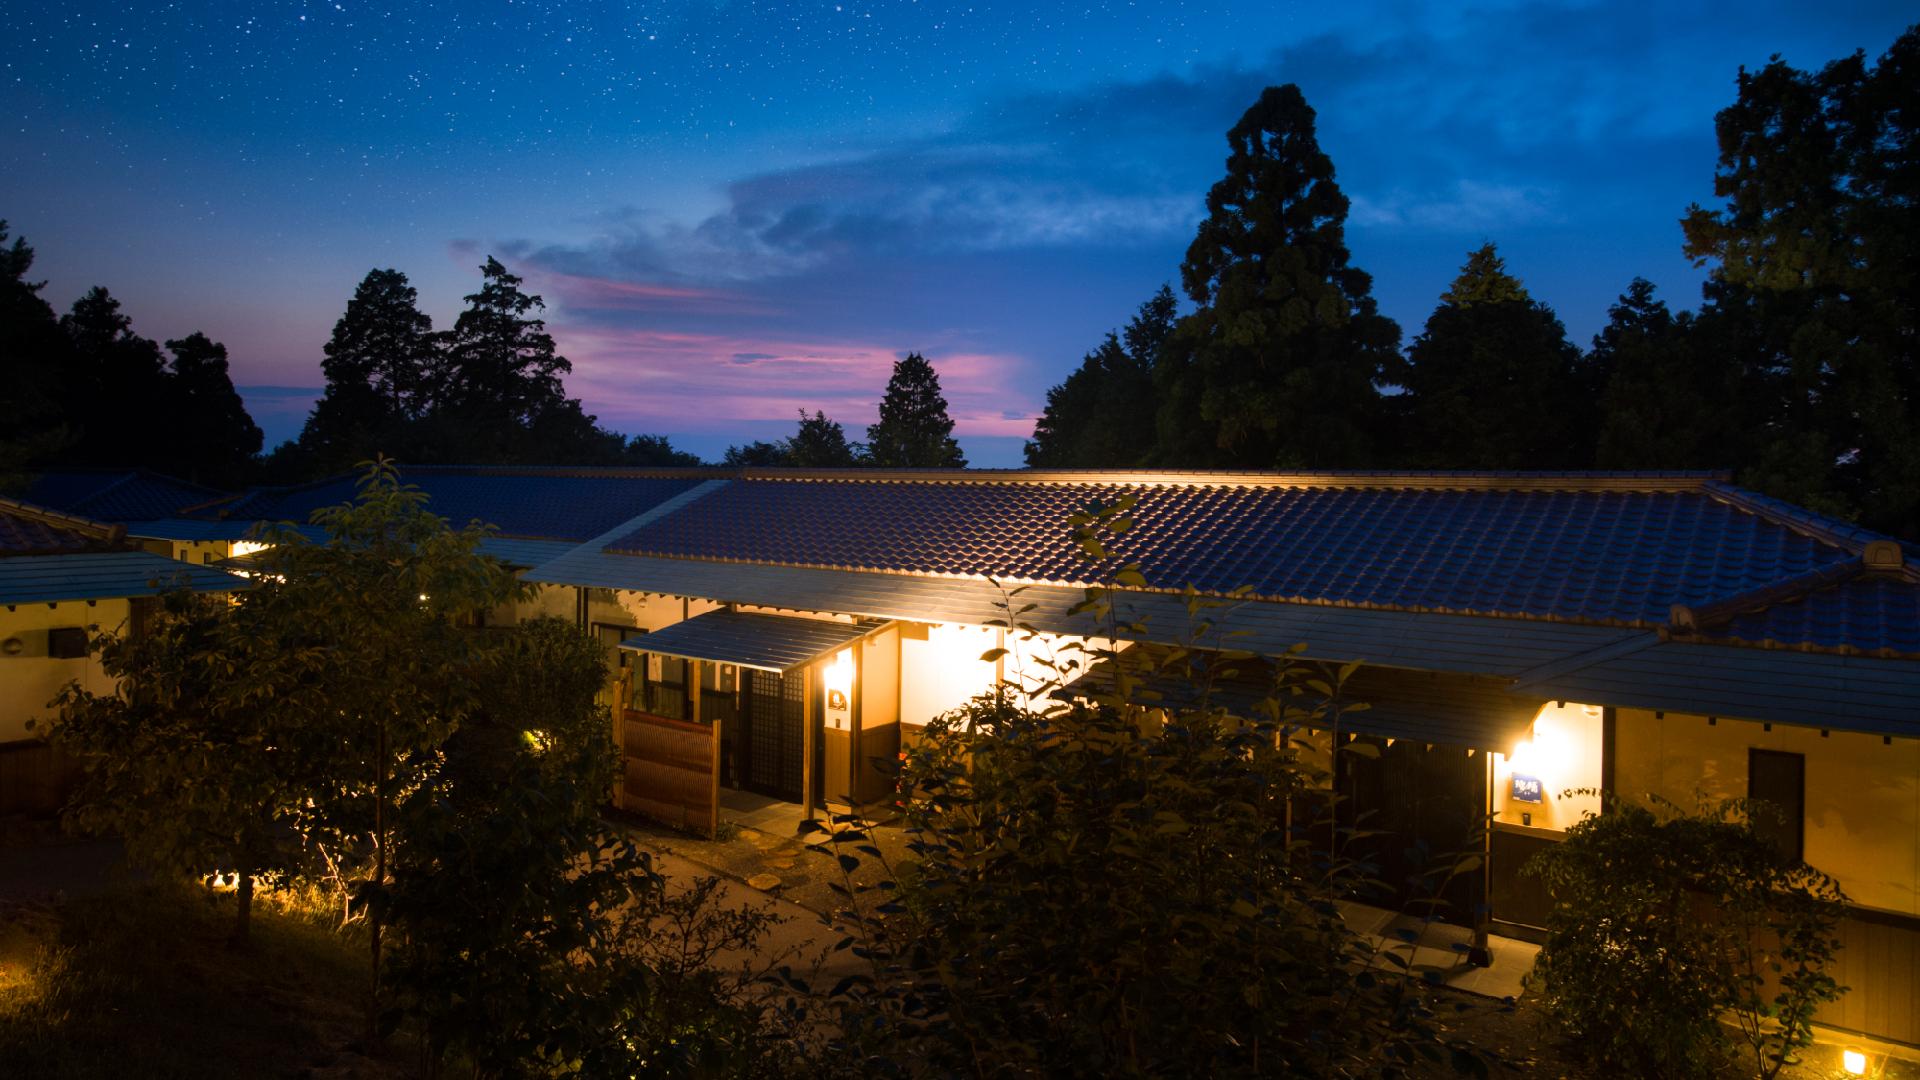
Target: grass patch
141, 981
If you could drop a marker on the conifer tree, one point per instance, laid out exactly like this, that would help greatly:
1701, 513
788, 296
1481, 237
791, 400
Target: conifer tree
215, 440
1279, 364
1493, 382
378, 365
822, 444
1102, 415
914, 431
1815, 260
1672, 400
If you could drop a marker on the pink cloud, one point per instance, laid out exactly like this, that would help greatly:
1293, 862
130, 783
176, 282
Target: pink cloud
645, 379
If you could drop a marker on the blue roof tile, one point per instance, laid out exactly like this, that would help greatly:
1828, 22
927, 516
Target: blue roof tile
1874, 614
117, 494
1589, 551
529, 503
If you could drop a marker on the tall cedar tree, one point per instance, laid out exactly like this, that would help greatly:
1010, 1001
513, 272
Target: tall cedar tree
1669, 397
1493, 382
379, 364
1816, 262
1102, 415
1279, 365
214, 440
496, 394
914, 431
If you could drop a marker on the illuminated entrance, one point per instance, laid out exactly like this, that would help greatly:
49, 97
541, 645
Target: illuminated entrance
760, 702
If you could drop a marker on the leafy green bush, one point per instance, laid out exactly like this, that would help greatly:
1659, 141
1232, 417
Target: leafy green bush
1667, 923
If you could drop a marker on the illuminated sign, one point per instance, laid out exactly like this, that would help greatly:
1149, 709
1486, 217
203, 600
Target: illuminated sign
1526, 789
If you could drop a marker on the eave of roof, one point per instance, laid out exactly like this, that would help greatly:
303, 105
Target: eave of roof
37, 579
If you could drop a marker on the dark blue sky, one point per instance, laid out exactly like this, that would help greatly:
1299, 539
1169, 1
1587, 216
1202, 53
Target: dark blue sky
736, 210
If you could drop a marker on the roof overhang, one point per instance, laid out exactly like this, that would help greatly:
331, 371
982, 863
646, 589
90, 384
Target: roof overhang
50, 579
777, 643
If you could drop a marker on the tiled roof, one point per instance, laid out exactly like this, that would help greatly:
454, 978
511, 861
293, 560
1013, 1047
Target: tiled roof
34, 530
117, 494
101, 575
530, 503
1874, 614
1607, 550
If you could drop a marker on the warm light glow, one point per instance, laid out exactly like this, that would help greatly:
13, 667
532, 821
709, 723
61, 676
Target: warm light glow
839, 674
1854, 1062
246, 547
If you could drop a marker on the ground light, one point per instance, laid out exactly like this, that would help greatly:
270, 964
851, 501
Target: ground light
1854, 1062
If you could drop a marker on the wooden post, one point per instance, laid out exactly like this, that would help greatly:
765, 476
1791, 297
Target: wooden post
693, 710
807, 717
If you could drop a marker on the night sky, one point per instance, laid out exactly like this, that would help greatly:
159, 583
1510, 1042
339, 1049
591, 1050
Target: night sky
736, 210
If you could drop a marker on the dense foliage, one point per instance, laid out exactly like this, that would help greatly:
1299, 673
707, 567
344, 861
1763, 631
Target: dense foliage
1278, 364
914, 430
1665, 923
346, 723
84, 389
1492, 380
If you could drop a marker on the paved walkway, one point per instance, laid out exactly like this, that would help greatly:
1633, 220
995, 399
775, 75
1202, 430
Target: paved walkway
1440, 948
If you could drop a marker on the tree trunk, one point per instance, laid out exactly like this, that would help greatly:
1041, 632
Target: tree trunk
243, 903
379, 879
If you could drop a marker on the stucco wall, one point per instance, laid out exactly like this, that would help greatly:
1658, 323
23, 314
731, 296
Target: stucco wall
31, 678
1564, 754
1862, 794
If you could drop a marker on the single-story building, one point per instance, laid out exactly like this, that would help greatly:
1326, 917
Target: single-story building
64, 579
1522, 635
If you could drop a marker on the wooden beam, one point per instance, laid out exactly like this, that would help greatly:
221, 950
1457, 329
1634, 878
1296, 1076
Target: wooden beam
807, 719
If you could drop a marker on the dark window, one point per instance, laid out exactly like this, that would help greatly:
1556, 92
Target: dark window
1779, 779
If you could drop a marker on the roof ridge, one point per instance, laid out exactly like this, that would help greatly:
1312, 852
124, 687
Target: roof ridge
112, 533
1689, 619
1822, 527
1428, 479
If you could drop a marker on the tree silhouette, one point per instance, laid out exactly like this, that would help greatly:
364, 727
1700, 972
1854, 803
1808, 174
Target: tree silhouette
1278, 365
116, 381
1671, 399
379, 366
822, 444
914, 431
1493, 382
215, 440
1102, 415
1815, 259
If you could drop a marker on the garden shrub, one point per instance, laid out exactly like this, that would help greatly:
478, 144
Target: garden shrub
1672, 930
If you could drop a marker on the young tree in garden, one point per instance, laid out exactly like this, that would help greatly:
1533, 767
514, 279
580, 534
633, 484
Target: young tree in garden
1493, 382
359, 643
1815, 258
1667, 924
914, 431
1102, 415
1278, 365
195, 784
821, 443
379, 365
1672, 399
1117, 886
215, 440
